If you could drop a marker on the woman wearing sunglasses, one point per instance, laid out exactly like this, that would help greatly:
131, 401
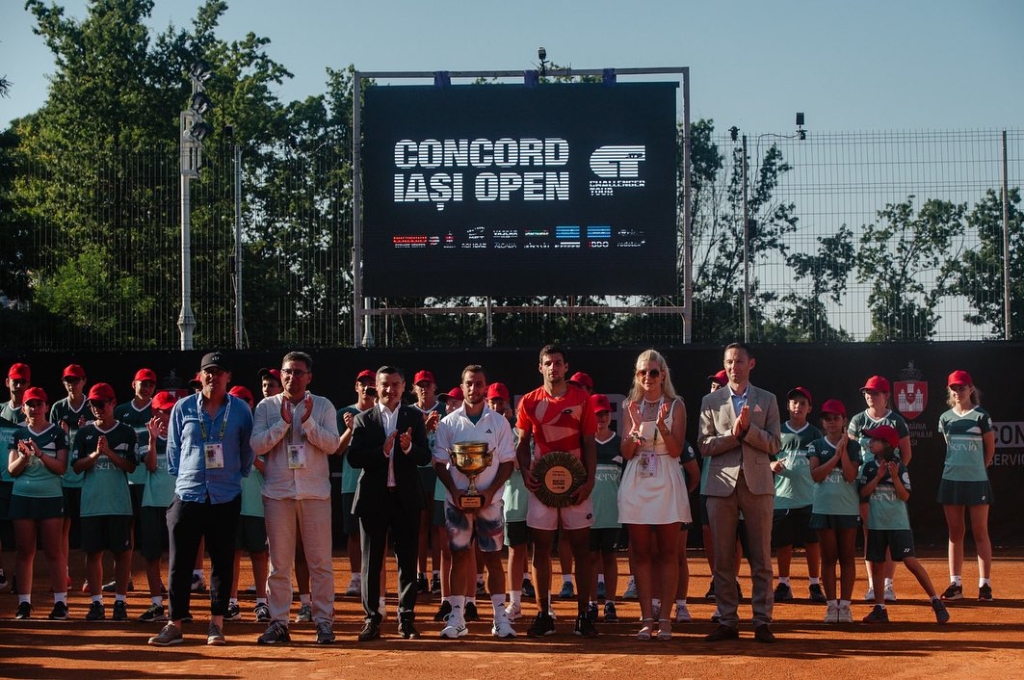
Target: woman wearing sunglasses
653, 501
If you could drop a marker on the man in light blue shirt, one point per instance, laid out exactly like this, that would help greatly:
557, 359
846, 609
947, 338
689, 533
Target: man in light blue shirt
208, 453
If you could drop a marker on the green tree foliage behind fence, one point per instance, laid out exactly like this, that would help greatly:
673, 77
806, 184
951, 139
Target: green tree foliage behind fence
853, 236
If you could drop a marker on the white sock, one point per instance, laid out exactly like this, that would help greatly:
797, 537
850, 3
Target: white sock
60, 597
261, 600
97, 598
784, 580
681, 603
199, 573
600, 578
516, 596
888, 583
498, 605
458, 603
159, 601
25, 598
957, 580
120, 598
814, 581
984, 582
566, 578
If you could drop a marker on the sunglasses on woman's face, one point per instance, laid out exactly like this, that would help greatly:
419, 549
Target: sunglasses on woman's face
652, 372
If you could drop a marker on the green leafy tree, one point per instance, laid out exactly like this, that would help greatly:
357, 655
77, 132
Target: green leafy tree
902, 259
718, 235
978, 273
102, 169
805, 317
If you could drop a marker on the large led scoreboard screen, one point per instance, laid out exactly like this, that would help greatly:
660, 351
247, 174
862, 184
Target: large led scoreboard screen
506, 190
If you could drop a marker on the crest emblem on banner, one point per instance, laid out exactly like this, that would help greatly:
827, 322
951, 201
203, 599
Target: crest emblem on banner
911, 392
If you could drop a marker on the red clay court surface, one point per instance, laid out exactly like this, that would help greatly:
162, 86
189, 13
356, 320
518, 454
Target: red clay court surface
984, 640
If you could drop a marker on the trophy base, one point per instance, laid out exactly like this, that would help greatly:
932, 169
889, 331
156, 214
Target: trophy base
471, 502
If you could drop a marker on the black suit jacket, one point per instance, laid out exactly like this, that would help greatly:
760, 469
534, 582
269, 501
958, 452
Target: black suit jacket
366, 452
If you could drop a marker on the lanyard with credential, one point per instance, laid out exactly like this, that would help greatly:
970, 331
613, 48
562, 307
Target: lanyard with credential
223, 423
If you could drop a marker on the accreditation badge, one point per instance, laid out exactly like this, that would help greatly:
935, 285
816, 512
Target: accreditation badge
296, 456
214, 455
648, 464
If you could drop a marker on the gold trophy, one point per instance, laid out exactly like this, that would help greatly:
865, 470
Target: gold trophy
471, 458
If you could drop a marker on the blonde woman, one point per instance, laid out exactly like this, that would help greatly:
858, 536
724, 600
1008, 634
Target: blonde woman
653, 501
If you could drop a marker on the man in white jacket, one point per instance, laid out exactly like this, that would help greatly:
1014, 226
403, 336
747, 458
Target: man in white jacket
296, 431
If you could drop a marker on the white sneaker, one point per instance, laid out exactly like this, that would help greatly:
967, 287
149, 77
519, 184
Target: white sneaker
456, 628
890, 594
683, 614
500, 629
513, 611
832, 612
870, 595
845, 615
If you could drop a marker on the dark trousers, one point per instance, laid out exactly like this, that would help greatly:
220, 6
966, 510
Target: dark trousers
187, 524
373, 534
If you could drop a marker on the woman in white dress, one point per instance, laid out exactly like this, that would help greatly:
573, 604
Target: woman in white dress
652, 494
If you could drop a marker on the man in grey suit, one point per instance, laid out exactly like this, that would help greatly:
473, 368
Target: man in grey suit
739, 432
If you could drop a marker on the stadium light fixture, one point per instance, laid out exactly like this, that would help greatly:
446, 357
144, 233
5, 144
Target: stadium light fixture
200, 103
201, 71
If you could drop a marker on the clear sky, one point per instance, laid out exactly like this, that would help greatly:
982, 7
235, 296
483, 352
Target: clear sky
850, 66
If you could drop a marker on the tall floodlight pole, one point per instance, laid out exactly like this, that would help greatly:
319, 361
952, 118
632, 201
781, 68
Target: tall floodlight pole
746, 251
1007, 307
192, 130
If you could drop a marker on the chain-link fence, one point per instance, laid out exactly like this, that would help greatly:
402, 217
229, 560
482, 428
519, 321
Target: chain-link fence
852, 236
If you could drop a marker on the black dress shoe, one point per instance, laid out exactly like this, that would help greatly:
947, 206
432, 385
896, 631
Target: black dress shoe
370, 631
764, 634
407, 630
723, 633
443, 611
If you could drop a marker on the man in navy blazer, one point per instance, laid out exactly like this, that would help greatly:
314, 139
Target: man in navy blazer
389, 442
739, 433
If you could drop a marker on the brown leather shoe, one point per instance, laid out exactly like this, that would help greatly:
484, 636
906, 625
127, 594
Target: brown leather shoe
723, 633
764, 634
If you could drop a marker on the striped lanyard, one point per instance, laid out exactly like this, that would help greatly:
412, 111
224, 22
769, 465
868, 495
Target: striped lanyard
223, 423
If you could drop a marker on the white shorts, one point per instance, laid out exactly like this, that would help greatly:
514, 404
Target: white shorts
546, 518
